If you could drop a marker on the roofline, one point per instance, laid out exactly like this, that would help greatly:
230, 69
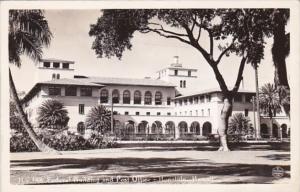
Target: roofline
135, 84
60, 60
208, 92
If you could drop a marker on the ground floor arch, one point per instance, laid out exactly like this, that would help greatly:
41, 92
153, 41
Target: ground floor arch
264, 130
183, 127
156, 127
207, 128
284, 130
195, 128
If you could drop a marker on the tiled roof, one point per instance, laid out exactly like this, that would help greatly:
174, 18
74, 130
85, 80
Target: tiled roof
65, 81
126, 81
215, 90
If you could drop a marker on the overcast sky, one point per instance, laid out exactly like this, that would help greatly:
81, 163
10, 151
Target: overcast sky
149, 54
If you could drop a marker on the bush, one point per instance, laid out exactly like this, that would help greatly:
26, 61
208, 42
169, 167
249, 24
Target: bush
239, 128
52, 115
98, 119
22, 143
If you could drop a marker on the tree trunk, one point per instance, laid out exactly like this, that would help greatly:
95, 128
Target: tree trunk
223, 125
40, 145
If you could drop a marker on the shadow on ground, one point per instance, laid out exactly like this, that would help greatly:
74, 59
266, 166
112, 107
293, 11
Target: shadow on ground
247, 173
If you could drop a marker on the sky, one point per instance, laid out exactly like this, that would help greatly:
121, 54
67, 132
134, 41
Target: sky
149, 54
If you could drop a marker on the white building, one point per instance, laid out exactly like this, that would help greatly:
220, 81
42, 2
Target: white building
143, 108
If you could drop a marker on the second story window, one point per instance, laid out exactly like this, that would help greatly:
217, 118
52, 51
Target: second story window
238, 98
189, 73
180, 83
158, 98
86, 91
55, 91
126, 97
71, 91
169, 101
148, 98
115, 96
246, 112
66, 65
104, 96
201, 99
81, 109
208, 98
196, 100
56, 65
137, 97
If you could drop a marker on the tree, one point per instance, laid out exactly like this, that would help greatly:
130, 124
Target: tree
239, 126
28, 33
98, 119
280, 50
237, 31
269, 102
52, 115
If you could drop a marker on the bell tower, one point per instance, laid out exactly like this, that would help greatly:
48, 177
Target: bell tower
48, 69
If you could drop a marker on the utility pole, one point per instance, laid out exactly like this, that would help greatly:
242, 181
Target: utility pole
257, 102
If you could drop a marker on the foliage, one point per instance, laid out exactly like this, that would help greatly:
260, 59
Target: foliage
269, 100
98, 119
52, 115
28, 33
102, 141
14, 119
239, 127
22, 143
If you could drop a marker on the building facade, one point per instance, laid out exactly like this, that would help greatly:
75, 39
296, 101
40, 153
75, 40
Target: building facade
149, 108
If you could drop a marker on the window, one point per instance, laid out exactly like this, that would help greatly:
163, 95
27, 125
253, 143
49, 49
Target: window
175, 113
175, 72
158, 98
57, 76
238, 98
169, 113
66, 65
71, 91
56, 65
148, 98
248, 98
169, 101
201, 99
180, 102
81, 109
208, 98
53, 76
126, 113
147, 113
180, 83
86, 91
47, 64
184, 84
158, 113
189, 73
54, 91
104, 96
137, 113
126, 97
137, 97
196, 100
115, 112
185, 101
115, 96
246, 112
191, 100
175, 103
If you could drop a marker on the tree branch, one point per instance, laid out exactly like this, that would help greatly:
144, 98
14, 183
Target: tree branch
167, 31
225, 51
239, 76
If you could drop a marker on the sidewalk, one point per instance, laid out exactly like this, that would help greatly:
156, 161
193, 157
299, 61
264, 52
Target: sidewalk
149, 165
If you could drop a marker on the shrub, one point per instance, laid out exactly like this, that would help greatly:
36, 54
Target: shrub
52, 115
239, 128
22, 143
98, 119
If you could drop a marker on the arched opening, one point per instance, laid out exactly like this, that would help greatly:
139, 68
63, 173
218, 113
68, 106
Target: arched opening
158, 98
104, 96
53, 76
195, 128
264, 130
206, 129
57, 76
115, 96
117, 128
183, 127
81, 128
126, 97
142, 127
148, 98
170, 128
284, 131
137, 97
156, 127
275, 131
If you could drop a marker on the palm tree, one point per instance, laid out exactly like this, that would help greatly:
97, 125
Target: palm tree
269, 102
52, 114
28, 33
98, 119
239, 125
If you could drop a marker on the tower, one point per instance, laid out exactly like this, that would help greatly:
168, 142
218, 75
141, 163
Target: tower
184, 78
49, 69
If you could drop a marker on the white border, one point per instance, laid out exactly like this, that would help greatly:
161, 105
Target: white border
294, 83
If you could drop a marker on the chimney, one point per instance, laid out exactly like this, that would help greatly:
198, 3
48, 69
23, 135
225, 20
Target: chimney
176, 62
